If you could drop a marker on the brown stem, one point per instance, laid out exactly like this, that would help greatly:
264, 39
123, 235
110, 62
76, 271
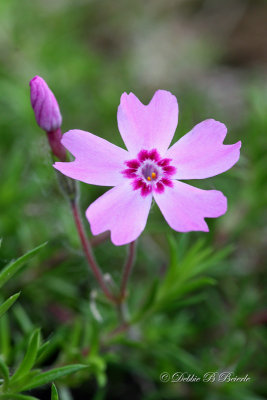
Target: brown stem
88, 252
127, 270
120, 329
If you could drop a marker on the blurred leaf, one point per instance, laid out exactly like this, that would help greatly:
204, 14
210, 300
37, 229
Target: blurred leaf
4, 336
98, 368
16, 265
22, 318
178, 280
30, 357
52, 375
8, 303
17, 397
4, 370
65, 393
148, 302
49, 347
54, 393
42, 349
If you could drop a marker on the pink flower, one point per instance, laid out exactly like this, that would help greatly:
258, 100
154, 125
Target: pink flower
148, 169
44, 105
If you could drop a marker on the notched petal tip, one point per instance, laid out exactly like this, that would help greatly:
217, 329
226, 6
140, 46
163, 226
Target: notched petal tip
163, 92
149, 125
158, 95
195, 205
120, 210
238, 144
204, 228
201, 153
127, 96
58, 164
221, 204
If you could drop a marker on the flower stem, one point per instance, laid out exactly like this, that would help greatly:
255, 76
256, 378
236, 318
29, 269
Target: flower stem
127, 270
88, 252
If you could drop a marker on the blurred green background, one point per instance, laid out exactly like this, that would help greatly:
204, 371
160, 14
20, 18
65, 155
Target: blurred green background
212, 55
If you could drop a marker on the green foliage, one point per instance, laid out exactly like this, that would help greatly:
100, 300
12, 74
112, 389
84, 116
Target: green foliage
15, 266
181, 278
29, 359
54, 392
27, 377
17, 397
8, 303
49, 376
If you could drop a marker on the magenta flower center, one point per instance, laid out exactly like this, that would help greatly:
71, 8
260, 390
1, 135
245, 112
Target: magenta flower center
149, 172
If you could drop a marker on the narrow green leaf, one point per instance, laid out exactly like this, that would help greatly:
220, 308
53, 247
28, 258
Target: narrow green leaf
54, 393
13, 267
42, 349
179, 303
178, 290
17, 397
8, 303
30, 356
52, 375
173, 251
23, 319
17, 386
197, 283
148, 303
4, 336
4, 370
51, 346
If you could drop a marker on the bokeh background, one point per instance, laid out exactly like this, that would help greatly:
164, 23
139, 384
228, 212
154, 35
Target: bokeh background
212, 55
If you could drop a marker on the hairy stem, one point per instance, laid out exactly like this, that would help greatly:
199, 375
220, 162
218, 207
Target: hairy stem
127, 270
89, 253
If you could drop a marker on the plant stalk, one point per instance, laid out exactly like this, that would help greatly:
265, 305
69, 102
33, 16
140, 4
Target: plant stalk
127, 270
89, 253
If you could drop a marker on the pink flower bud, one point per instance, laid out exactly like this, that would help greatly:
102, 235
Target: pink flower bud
47, 115
44, 105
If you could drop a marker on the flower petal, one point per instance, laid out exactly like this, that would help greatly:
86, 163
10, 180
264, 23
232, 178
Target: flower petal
148, 126
185, 207
122, 211
97, 162
201, 152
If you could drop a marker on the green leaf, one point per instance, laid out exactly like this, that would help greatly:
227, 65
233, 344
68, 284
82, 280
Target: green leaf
42, 349
52, 375
8, 303
17, 397
55, 342
16, 265
148, 302
23, 319
30, 357
54, 393
5, 336
4, 370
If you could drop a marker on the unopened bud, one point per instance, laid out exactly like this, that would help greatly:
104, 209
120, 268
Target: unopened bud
47, 114
44, 105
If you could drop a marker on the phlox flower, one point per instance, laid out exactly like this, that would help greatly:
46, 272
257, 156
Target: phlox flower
149, 169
